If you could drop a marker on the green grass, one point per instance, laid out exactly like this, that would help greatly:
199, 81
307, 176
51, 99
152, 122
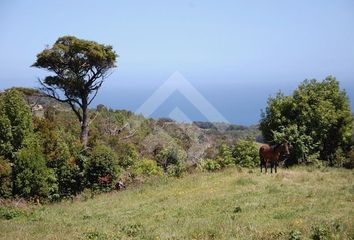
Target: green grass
224, 205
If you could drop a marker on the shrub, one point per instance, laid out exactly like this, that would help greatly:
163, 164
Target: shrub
31, 175
246, 154
209, 165
101, 168
338, 159
127, 154
172, 156
147, 167
176, 170
7, 213
224, 157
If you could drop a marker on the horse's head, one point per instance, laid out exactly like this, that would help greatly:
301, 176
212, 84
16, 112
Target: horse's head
285, 147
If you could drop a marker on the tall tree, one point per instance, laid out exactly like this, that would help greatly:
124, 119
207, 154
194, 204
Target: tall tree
79, 68
316, 119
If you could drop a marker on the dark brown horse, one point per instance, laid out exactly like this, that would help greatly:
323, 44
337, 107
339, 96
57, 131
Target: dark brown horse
271, 154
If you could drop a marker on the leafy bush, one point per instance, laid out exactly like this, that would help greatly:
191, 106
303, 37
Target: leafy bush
297, 117
224, 157
172, 158
15, 123
246, 154
147, 167
102, 168
127, 154
31, 175
338, 159
209, 165
7, 213
176, 170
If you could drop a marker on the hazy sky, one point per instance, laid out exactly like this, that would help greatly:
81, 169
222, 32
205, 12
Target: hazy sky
235, 53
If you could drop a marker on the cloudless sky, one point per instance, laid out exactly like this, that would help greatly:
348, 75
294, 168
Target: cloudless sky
235, 53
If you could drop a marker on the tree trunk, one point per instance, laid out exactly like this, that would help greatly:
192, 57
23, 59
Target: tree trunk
84, 126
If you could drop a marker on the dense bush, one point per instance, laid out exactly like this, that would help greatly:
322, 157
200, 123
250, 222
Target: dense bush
246, 154
147, 167
69, 170
31, 175
127, 154
15, 123
316, 118
176, 170
101, 168
172, 160
224, 157
208, 165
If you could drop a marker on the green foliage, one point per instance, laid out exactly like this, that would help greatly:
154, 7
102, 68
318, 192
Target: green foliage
176, 170
172, 157
62, 151
5, 178
338, 159
209, 165
15, 123
246, 154
147, 167
101, 168
8, 213
79, 67
315, 119
224, 157
68, 168
127, 154
31, 175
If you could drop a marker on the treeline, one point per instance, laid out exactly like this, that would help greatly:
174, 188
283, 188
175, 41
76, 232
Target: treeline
41, 156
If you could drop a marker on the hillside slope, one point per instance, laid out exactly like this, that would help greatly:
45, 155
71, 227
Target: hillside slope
232, 204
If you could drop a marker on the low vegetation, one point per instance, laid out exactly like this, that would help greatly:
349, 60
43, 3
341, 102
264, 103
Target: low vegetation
296, 203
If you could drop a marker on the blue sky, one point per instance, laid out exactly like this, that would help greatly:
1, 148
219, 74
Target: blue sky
236, 53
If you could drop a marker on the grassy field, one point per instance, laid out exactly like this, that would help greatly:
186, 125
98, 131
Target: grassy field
233, 204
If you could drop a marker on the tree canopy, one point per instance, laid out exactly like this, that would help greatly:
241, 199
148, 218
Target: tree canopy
316, 119
79, 68
15, 123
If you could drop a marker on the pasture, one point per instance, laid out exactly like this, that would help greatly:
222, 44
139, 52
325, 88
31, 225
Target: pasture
297, 203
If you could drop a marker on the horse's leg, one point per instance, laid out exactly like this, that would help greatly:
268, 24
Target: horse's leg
261, 163
271, 166
275, 167
265, 165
